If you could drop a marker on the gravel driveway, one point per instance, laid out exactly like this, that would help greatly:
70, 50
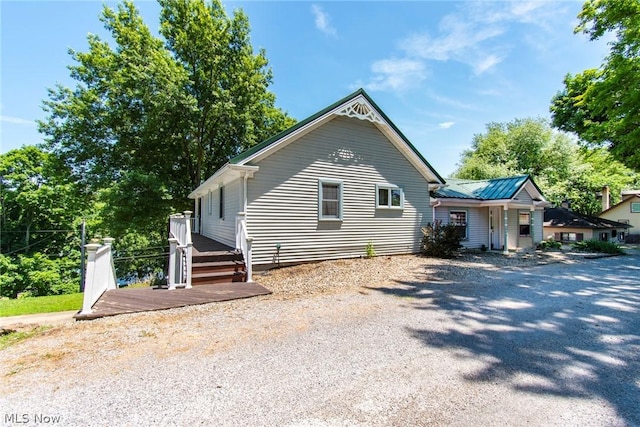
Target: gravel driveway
555, 344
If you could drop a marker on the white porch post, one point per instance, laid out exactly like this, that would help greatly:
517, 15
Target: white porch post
533, 228
505, 249
196, 224
111, 280
173, 245
248, 261
189, 249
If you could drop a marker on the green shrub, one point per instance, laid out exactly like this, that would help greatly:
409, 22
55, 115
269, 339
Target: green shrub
441, 241
370, 250
598, 246
549, 244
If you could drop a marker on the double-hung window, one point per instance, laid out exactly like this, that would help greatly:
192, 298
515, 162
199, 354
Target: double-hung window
389, 197
524, 223
329, 199
459, 219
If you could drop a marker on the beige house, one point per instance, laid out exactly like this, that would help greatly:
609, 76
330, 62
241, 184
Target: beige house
627, 211
564, 225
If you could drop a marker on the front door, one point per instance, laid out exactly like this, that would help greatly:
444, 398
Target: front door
494, 228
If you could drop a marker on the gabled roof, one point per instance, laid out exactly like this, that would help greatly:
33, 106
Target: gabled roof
358, 105
561, 217
486, 189
625, 198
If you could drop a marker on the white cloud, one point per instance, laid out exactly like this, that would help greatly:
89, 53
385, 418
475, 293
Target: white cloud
396, 74
446, 125
486, 64
322, 21
17, 121
451, 102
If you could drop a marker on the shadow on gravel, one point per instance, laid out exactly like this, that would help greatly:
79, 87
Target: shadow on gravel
571, 331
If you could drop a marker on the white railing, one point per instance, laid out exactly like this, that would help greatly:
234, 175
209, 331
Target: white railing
100, 273
180, 250
244, 242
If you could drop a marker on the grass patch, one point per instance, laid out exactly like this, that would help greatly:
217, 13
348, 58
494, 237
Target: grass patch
11, 338
33, 305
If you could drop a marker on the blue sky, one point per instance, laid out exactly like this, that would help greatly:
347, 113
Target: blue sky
440, 70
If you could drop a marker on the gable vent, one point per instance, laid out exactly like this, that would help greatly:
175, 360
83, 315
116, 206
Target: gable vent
360, 110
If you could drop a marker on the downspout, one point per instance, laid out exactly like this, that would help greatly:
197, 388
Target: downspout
438, 203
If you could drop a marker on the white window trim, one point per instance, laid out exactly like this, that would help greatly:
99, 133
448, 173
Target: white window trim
389, 188
520, 212
637, 210
340, 198
466, 217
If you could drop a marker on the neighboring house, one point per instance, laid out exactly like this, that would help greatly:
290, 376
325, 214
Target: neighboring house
325, 188
493, 211
627, 211
566, 226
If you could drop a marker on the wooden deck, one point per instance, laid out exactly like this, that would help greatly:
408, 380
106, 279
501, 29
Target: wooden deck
203, 245
121, 301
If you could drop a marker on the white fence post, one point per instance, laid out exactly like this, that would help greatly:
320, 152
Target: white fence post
100, 274
173, 246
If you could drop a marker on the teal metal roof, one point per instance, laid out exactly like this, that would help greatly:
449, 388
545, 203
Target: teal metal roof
486, 189
256, 148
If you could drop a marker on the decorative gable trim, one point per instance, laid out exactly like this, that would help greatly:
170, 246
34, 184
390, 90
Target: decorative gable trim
360, 109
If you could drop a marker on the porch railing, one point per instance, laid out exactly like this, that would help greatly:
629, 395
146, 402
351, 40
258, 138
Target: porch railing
100, 273
244, 243
180, 250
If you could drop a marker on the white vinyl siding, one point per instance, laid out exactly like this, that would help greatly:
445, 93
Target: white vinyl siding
220, 225
477, 224
283, 196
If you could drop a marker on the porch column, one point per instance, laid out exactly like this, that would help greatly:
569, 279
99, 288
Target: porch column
532, 228
196, 223
505, 224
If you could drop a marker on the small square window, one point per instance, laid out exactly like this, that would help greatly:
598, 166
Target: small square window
389, 197
635, 207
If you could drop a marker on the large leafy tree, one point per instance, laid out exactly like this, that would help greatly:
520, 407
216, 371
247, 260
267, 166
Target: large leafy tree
150, 118
40, 202
602, 106
559, 166
39, 238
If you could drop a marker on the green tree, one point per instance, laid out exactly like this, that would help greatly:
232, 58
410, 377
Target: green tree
602, 106
40, 202
562, 170
150, 119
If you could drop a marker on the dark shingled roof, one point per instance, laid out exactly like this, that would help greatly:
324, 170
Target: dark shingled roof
486, 189
560, 217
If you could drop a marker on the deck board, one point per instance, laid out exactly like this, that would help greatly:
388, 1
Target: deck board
121, 301
204, 245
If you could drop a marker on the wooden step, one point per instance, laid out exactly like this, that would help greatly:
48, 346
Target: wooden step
216, 257
204, 267
217, 277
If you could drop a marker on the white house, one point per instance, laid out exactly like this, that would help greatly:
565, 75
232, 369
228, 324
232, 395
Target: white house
326, 188
493, 211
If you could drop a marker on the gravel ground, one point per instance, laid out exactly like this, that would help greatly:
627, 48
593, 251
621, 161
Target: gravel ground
480, 340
